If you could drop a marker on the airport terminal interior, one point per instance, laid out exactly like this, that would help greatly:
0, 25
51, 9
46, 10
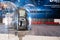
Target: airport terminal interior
29, 19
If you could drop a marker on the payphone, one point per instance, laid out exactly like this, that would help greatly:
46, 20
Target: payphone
22, 19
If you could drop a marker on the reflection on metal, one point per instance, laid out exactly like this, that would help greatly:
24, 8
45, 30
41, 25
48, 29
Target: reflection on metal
8, 11
29, 6
10, 4
2, 6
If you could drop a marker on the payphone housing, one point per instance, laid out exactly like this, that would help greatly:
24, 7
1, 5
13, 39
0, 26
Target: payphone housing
22, 19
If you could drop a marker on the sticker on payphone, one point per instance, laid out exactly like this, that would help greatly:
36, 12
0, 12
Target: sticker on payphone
22, 12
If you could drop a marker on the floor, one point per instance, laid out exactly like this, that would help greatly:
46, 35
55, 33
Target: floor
33, 37
45, 30
41, 32
7, 34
